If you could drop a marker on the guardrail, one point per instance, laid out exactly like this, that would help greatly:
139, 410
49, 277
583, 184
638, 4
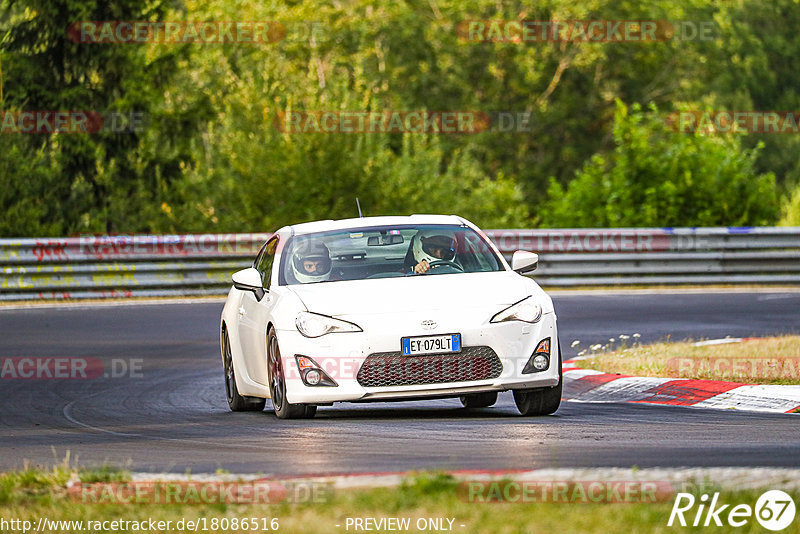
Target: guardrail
172, 265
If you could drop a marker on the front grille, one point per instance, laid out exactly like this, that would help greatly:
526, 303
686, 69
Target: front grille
394, 369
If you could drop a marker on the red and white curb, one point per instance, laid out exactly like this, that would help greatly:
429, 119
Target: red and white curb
587, 385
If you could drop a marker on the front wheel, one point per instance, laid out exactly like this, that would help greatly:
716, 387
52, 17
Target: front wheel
540, 401
277, 385
236, 402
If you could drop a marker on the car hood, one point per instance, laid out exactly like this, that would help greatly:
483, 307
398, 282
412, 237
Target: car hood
429, 292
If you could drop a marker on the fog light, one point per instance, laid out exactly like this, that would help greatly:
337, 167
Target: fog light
540, 362
312, 373
313, 377
540, 359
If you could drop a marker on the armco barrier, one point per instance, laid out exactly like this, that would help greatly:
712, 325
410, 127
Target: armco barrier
170, 265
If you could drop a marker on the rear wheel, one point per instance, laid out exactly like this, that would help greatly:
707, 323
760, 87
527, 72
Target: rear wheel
277, 385
236, 402
540, 401
479, 400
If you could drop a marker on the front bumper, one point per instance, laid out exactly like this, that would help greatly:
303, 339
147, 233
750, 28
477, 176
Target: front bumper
342, 356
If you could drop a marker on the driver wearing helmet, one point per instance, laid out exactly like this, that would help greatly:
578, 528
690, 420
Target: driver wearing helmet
311, 262
431, 246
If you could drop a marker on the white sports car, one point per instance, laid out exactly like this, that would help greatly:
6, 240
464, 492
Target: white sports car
388, 308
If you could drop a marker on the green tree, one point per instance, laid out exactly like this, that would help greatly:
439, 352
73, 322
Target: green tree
756, 66
102, 182
790, 209
656, 177
211, 160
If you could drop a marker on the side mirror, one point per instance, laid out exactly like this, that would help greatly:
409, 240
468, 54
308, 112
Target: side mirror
249, 280
524, 262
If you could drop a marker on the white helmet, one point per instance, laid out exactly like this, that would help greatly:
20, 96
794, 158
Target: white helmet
428, 241
311, 251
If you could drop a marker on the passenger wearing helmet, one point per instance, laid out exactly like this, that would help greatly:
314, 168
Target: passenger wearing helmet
430, 246
311, 262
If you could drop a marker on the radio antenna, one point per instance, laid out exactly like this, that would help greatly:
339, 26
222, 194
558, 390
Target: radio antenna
359, 208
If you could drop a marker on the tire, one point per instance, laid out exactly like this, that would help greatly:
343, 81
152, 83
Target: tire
540, 401
277, 385
479, 400
236, 402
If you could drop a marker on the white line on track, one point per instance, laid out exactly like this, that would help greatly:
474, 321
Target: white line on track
67, 414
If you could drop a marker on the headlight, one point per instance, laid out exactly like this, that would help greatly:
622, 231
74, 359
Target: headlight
316, 325
525, 310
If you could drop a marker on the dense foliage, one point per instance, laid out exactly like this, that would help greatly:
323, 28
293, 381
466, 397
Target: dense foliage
655, 178
596, 151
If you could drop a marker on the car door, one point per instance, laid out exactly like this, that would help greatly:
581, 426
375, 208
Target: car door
253, 315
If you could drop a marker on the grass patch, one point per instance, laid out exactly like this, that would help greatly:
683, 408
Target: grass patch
105, 473
773, 360
32, 485
425, 495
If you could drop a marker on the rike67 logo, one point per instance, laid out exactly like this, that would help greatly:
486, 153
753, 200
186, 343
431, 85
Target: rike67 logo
774, 510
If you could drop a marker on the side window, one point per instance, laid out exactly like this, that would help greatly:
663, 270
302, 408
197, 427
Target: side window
265, 260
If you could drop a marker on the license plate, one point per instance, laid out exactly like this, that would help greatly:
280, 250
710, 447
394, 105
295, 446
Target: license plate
431, 344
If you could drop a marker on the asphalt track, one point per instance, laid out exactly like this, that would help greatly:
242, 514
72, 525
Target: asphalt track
174, 416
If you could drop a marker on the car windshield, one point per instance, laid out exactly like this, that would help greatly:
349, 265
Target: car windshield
385, 252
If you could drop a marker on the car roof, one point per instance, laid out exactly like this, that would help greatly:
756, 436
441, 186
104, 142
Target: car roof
362, 222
